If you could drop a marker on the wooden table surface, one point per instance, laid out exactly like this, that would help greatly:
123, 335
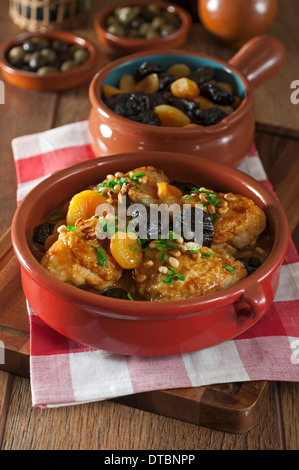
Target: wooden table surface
108, 425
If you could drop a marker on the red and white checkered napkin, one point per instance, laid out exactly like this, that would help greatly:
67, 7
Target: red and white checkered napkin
64, 372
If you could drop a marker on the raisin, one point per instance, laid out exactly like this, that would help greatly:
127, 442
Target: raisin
147, 68
251, 264
201, 75
217, 94
42, 232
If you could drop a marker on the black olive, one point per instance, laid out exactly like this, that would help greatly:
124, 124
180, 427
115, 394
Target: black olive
42, 232
251, 264
116, 293
217, 94
185, 187
194, 225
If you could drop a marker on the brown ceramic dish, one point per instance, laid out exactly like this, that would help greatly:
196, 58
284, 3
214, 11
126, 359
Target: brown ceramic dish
127, 45
53, 81
235, 22
140, 327
226, 142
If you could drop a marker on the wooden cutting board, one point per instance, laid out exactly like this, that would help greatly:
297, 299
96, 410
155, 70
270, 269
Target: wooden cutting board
232, 407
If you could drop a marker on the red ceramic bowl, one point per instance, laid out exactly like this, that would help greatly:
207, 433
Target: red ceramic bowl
227, 142
140, 327
130, 45
53, 81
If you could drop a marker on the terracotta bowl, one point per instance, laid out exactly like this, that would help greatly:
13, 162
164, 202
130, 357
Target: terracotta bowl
227, 142
130, 45
140, 327
53, 81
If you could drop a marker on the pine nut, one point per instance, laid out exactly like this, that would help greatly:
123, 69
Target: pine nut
141, 278
173, 262
119, 174
152, 245
163, 269
110, 177
175, 253
148, 264
229, 197
179, 241
222, 210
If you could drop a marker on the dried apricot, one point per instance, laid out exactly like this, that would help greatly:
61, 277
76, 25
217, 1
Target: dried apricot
225, 85
184, 88
83, 205
179, 71
110, 90
204, 103
192, 124
149, 84
127, 83
125, 249
167, 190
171, 116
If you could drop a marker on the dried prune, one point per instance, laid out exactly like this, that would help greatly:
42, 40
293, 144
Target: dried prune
195, 225
42, 232
129, 104
208, 117
147, 68
201, 75
217, 94
146, 117
116, 293
187, 106
184, 186
156, 99
165, 81
251, 264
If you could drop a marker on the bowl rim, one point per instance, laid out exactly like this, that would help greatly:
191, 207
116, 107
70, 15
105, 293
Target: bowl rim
185, 17
83, 41
116, 307
230, 120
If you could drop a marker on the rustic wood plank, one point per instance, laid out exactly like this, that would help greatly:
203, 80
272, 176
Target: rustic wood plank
6, 381
289, 399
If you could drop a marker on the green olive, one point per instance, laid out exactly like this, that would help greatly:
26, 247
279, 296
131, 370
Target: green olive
152, 33
127, 14
40, 43
158, 22
154, 9
46, 70
144, 28
49, 55
167, 30
110, 20
16, 55
81, 55
68, 65
116, 29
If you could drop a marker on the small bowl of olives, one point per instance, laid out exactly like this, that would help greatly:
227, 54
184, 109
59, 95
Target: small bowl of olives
48, 61
142, 26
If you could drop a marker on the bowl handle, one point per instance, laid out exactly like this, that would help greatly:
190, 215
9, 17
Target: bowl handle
254, 297
259, 59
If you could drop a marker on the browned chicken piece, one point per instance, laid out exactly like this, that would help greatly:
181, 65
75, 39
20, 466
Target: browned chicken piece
240, 221
143, 189
194, 275
82, 262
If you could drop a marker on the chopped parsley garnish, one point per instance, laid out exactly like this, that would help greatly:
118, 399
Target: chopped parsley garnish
172, 276
71, 228
137, 177
111, 183
208, 255
213, 217
211, 196
129, 296
229, 268
55, 217
163, 256
164, 243
102, 258
134, 248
